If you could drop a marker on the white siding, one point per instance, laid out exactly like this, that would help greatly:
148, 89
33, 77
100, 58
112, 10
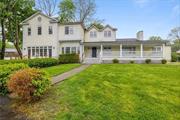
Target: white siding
100, 35
45, 39
78, 33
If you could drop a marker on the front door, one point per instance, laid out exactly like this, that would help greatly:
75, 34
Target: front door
94, 52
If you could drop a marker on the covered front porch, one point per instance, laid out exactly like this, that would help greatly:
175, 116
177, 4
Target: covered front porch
98, 53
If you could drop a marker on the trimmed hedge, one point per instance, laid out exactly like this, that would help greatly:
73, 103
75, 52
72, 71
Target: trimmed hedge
174, 57
69, 58
115, 61
37, 62
163, 61
148, 61
42, 62
5, 71
3, 62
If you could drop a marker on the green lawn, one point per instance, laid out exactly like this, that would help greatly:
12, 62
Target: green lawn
113, 92
59, 69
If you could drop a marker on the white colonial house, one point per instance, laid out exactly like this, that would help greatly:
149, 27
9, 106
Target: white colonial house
44, 36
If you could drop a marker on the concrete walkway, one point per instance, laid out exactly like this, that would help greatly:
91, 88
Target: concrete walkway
68, 74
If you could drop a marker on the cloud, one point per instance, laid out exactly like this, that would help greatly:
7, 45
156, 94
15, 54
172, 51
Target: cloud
176, 10
141, 3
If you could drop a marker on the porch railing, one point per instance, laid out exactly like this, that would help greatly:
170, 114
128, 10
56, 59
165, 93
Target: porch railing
132, 54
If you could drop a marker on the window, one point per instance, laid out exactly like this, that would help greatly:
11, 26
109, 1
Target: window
45, 51
107, 51
29, 31
78, 49
50, 30
39, 30
41, 51
37, 51
33, 51
73, 50
50, 51
156, 48
93, 34
107, 33
62, 50
67, 50
29, 52
71, 30
68, 30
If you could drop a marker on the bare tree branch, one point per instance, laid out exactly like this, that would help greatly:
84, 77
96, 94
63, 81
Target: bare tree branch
47, 6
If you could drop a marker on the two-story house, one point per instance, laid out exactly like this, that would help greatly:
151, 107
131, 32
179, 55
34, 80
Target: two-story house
44, 36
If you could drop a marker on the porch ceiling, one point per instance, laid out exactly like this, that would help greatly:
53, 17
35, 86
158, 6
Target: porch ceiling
148, 43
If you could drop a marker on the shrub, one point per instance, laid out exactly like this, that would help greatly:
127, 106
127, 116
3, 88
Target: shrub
69, 58
147, 61
42, 62
174, 57
132, 62
29, 84
115, 61
163, 61
2, 62
5, 71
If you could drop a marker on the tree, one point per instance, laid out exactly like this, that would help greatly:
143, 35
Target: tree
85, 11
155, 38
20, 10
48, 7
4, 13
67, 11
97, 24
174, 36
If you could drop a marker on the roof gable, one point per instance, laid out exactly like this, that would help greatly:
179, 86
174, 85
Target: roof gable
38, 13
100, 30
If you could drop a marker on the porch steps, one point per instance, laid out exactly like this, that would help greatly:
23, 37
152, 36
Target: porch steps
91, 61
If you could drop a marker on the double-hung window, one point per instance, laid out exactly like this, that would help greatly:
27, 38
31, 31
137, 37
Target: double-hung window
29, 31
107, 33
68, 30
93, 34
67, 50
50, 30
39, 30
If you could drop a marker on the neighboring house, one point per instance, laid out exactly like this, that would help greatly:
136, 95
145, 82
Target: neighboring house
11, 53
45, 37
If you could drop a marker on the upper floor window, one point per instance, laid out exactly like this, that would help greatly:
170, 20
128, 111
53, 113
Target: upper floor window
39, 30
50, 30
157, 49
107, 33
29, 31
93, 34
68, 30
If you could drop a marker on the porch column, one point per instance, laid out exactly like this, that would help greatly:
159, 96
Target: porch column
81, 52
141, 50
120, 50
101, 52
163, 53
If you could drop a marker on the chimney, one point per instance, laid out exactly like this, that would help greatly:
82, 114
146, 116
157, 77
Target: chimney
140, 35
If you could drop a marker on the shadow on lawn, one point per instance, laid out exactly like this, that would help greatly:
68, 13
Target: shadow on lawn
6, 113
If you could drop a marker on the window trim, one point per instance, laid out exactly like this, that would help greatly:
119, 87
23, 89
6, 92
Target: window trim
39, 32
50, 30
93, 34
29, 31
107, 33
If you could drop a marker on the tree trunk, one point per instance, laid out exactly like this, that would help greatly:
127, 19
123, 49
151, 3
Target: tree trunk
3, 41
16, 42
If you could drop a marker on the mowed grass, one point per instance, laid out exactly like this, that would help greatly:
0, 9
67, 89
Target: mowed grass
59, 69
113, 92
